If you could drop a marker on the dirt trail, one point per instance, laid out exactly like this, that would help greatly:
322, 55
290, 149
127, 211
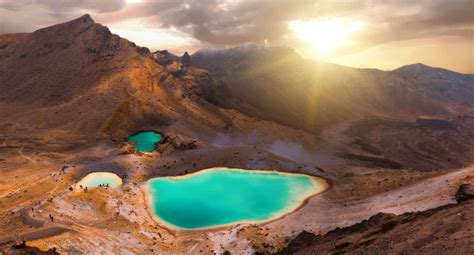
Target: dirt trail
35, 234
43, 228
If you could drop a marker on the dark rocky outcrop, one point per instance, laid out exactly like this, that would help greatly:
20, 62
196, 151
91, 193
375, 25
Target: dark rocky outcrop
465, 192
23, 249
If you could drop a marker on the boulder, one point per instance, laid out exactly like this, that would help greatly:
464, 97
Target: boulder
465, 192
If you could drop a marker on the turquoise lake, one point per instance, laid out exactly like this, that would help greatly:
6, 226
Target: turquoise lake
145, 141
222, 196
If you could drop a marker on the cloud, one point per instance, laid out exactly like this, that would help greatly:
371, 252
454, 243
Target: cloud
91, 5
424, 19
29, 15
139, 31
222, 23
226, 23
230, 22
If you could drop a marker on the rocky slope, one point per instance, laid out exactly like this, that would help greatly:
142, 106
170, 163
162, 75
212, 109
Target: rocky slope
415, 117
443, 230
276, 83
80, 77
23, 249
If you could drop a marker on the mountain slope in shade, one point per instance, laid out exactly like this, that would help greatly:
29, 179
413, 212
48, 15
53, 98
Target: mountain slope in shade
276, 83
443, 230
395, 118
78, 76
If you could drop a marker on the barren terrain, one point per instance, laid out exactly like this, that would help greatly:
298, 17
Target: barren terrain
70, 95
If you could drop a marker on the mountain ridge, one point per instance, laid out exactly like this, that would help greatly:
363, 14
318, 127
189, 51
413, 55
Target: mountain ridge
81, 70
255, 48
355, 92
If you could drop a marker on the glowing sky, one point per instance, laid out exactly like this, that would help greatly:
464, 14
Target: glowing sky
383, 34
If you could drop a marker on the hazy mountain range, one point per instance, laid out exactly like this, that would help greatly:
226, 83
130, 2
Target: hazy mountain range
50, 67
277, 84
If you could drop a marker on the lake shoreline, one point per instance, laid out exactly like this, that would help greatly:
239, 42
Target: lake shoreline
317, 181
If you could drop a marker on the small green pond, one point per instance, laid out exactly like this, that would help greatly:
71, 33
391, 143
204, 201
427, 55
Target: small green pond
221, 196
145, 141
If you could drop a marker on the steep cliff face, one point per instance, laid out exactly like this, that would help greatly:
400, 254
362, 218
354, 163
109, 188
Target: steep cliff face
277, 84
80, 77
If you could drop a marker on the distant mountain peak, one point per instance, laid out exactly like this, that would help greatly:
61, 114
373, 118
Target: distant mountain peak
420, 70
86, 18
416, 66
76, 25
69, 50
419, 65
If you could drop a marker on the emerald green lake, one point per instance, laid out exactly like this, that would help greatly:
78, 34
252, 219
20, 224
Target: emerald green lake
221, 196
145, 141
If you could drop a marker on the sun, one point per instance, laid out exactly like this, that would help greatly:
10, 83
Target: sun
325, 35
